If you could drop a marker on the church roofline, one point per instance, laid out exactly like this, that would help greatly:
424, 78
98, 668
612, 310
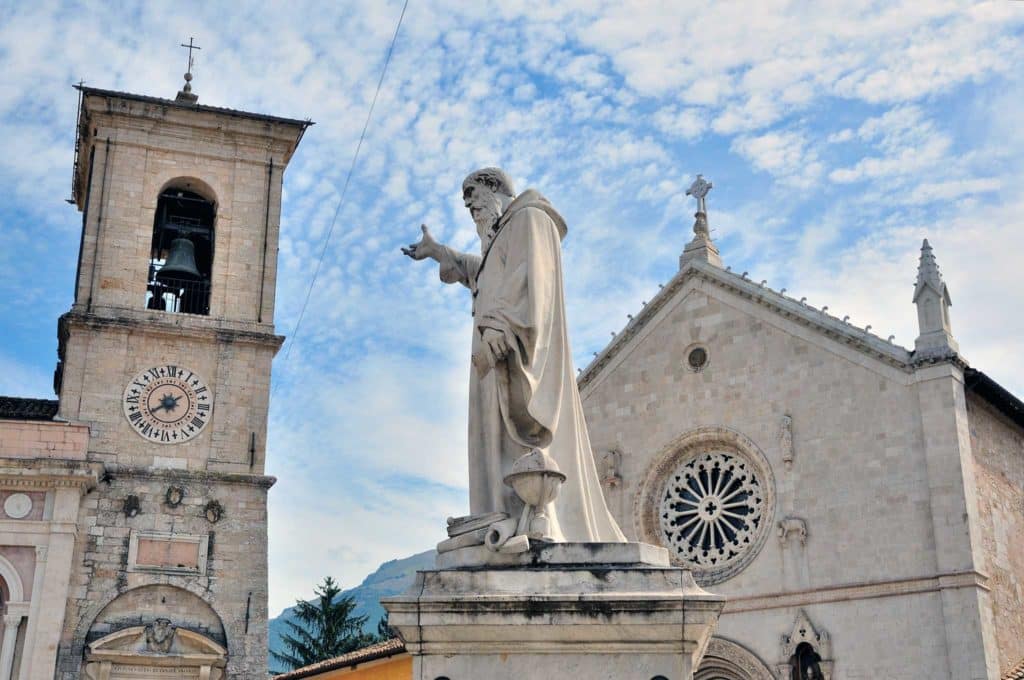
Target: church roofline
87, 91
787, 307
995, 394
868, 343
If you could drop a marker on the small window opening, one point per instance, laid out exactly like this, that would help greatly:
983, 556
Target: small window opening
805, 663
181, 256
698, 358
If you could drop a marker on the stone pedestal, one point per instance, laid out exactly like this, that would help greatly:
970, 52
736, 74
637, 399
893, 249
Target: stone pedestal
565, 610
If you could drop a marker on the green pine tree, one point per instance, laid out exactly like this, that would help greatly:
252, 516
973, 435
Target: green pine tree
325, 629
383, 629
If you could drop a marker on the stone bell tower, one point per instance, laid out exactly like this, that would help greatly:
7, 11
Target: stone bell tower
165, 355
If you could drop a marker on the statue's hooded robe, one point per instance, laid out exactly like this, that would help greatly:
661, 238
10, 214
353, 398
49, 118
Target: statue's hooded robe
529, 400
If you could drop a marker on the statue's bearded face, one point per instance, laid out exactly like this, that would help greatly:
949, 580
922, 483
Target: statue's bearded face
484, 205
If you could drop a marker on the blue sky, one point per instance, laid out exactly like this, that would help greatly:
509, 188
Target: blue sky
837, 135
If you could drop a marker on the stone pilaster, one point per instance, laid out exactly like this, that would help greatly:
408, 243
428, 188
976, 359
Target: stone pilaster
10, 629
970, 634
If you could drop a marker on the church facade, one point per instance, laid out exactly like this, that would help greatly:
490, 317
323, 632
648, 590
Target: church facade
860, 505
134, 541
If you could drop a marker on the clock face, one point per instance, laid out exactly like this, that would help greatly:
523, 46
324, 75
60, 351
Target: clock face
167, 404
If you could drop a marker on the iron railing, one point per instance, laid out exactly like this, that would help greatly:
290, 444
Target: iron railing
178, 295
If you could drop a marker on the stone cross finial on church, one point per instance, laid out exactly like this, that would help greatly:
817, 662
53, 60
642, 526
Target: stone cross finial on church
933, 302
699, 189
185, 94
701, 246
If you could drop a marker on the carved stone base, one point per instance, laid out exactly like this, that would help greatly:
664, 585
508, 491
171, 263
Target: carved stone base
542, 553
590, 619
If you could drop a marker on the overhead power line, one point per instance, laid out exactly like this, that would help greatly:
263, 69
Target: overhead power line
344, 189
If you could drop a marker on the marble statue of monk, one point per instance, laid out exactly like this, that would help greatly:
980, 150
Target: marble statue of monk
522, 392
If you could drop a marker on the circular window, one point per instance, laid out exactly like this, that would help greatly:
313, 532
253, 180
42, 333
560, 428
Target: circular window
709, 498
711, 510
697, 358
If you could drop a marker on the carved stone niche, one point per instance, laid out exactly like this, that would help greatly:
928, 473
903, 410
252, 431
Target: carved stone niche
137, 653
804, 633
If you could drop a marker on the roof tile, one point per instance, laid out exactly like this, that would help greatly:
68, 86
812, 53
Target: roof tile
22, 408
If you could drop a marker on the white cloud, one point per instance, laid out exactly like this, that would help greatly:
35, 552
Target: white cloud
784, 154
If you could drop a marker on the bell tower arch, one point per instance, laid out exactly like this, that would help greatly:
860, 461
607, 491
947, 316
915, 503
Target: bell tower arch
166, 355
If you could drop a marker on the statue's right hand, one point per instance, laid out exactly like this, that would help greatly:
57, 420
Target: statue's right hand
424, 248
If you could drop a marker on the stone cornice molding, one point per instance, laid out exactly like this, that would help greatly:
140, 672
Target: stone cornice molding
867, 343
190, 476
48, 473
226, 127
37, 527
856, 591
174, 325
207, 143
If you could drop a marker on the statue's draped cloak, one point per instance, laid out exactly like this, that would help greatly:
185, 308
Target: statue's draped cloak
530, 400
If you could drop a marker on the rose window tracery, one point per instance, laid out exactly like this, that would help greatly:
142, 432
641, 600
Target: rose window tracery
712, 508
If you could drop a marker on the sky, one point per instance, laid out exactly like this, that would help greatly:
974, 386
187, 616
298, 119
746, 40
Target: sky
837, 136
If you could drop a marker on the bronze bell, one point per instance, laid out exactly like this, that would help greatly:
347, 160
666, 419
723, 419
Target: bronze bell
181, 262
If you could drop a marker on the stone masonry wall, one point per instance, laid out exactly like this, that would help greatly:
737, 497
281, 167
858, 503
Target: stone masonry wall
236, 571
153, 147
42, 439
104, 355
858, 477
998, 447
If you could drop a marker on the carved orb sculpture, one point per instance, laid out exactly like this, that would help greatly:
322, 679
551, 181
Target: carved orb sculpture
535, 478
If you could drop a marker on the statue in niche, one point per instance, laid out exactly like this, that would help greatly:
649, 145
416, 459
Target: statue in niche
786, 439
160, 636
522, 393
805, 663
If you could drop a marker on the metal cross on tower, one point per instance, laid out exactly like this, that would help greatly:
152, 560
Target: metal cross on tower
190, 47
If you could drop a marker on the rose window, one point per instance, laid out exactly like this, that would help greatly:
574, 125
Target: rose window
711, 510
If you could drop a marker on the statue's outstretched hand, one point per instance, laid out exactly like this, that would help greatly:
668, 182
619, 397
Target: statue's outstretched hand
424, 248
